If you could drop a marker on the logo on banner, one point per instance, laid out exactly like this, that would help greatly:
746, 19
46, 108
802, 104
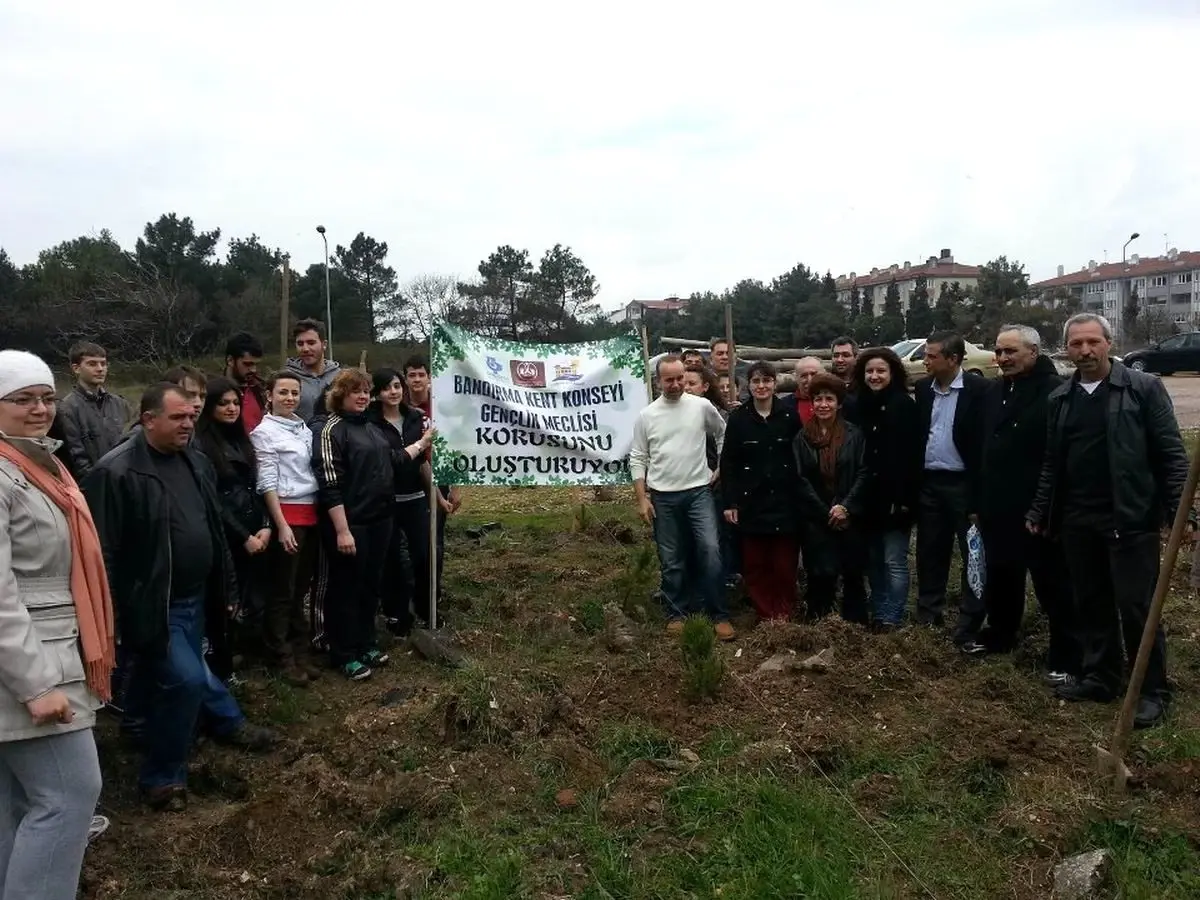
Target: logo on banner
527, 373
494, 366
569, 372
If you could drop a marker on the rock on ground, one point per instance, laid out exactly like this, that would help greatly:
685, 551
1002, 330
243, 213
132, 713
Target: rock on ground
1082, 876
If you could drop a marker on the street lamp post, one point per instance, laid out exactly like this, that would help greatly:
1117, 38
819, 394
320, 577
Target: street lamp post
328, 311
1133, 237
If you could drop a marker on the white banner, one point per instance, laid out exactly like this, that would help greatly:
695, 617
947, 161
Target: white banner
516, 413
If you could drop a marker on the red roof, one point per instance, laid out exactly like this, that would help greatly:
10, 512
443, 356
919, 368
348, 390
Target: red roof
929, 270
662, 304
1152, 265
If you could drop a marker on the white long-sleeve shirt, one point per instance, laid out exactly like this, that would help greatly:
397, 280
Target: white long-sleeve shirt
284, 451
669, 440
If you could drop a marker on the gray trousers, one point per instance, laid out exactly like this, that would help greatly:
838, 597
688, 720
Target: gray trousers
48, 791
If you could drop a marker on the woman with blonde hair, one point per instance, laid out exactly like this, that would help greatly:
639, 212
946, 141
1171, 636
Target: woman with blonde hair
57, 645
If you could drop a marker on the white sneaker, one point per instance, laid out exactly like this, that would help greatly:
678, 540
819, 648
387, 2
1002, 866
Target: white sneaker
98, 827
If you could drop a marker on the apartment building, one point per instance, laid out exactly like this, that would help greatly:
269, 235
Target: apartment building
632, 311
1168, 288
938, 270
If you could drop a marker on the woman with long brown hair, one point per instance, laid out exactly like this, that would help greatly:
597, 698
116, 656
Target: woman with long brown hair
831, 458
57, 645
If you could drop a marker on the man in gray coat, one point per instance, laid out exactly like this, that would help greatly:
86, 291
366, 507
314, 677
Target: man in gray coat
92, 420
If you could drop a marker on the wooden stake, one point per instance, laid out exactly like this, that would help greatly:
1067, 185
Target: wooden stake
646, 365
284, 312
1120, 741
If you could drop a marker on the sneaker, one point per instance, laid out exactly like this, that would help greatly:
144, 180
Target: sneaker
725, 631
295, 676
375, 659
973, 648
1054, 679
675, 627
168, 798
250, 737
355, 671
1078, 690
396, 627
98, 826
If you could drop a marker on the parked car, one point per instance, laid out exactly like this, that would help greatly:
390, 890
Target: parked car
1178, 353
912, 354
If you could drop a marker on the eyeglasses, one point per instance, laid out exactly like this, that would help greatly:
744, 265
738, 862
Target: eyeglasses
24, 401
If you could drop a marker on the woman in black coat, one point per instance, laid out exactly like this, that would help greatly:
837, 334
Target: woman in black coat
888, 417
759, 485
221, 436
406, 582
831, 460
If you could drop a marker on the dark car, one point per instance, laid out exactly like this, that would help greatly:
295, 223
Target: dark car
1178, 353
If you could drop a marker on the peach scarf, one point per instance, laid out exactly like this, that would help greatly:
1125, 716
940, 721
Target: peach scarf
89, 583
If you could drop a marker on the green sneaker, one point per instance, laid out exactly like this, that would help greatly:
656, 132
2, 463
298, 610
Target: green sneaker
356, 671
374, 659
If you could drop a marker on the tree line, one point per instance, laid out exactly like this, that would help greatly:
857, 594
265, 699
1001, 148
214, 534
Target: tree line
801, 308
170, 297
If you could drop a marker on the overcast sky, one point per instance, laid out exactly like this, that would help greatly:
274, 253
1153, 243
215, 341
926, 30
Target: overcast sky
676, 147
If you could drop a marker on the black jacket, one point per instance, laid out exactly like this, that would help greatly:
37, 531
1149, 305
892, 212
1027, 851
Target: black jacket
890, 424
355, 468
1145, 453
407, 478
968, 428
852, 478
132, 513
92, 424
243, 511
1014, 444
759, 477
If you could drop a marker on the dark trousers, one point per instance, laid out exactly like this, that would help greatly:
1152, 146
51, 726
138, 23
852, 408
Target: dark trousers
405, 592
1004, 594
828, 556
441, 542
354, 586
1114, 580
769, 573
292, 575
941, 518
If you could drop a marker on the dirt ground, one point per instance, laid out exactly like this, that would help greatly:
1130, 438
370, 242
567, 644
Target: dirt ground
1185, 394
558, 765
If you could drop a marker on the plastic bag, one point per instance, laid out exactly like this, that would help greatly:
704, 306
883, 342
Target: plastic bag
976, 561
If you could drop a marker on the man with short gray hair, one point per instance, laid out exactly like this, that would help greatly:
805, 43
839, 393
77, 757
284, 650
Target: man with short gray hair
1112, 478
1014, 442
801, 400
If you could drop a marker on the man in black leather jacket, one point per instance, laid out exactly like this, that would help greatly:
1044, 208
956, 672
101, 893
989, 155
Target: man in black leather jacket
1112, 478
154, 502
1014, 444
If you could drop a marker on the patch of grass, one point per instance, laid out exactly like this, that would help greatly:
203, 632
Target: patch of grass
1170, 743
590, 616
283, 704
1159, 865
622, 743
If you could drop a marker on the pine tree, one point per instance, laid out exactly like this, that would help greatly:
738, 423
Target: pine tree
920, 315
855, 303
891, 323
943, 311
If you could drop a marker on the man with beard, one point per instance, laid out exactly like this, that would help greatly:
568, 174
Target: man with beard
316, 373
1112, 477
243, 354
1014, 443
843, 353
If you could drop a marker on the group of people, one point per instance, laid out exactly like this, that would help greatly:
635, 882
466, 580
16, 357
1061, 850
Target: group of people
144, 556
1067, 482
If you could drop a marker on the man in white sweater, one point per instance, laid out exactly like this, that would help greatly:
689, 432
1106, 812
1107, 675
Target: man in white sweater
671, 478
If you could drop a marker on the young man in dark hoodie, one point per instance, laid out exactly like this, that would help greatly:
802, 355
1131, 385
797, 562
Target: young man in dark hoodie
1014, 445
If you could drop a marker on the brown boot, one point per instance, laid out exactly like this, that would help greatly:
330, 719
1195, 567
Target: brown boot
168, 798
725, 631
675, 627
296, 676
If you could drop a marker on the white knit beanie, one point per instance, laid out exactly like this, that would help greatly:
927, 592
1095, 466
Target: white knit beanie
19, 370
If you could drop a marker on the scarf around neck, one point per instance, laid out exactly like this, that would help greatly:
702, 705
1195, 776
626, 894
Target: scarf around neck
89, 582
827, 445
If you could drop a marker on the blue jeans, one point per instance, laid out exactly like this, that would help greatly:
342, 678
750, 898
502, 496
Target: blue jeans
686, 531
887, 573
175, 688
